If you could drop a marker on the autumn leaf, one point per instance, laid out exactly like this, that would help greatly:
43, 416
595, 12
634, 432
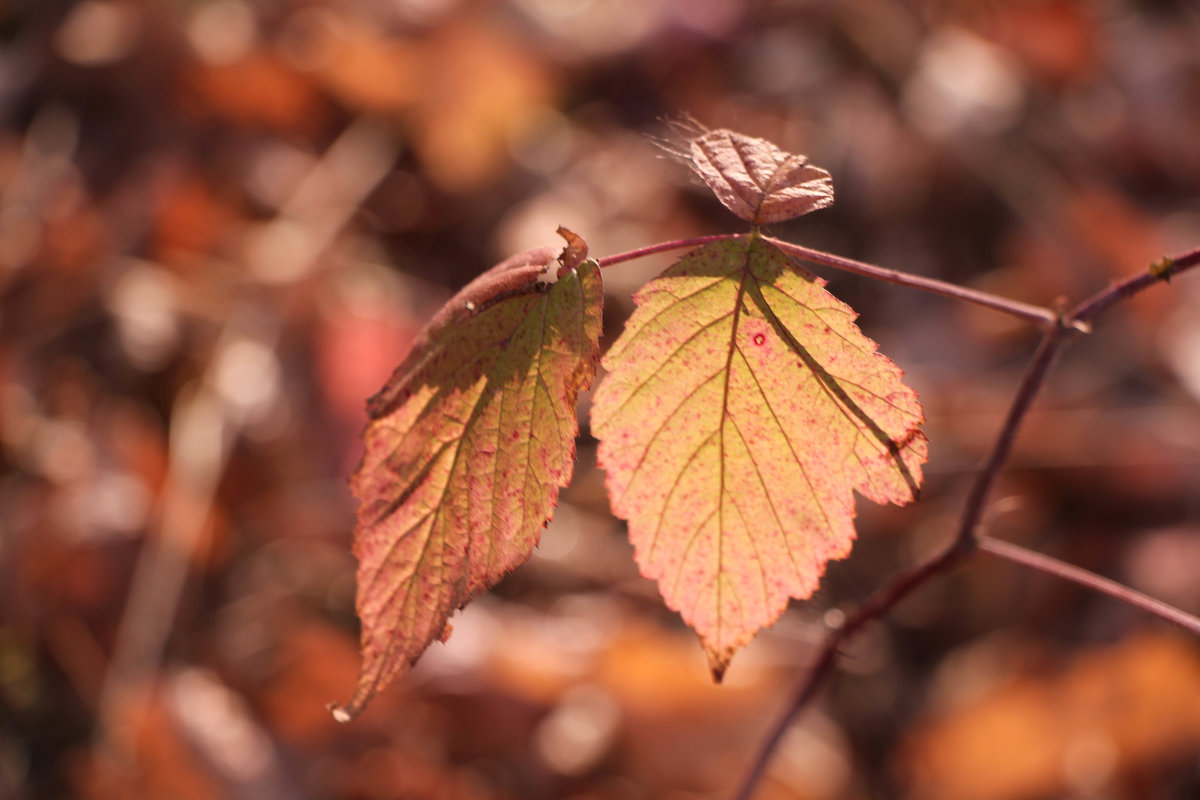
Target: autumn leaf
741, 407
467, 447
756, 180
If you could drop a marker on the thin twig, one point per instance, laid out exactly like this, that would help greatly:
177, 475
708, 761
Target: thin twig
1070, 572
1014, 307
674, 244
1031, 382
1162, 270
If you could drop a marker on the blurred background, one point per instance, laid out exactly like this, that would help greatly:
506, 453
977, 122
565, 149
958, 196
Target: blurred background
222, 223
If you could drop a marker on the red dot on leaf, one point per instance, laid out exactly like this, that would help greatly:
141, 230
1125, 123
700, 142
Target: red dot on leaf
759, 338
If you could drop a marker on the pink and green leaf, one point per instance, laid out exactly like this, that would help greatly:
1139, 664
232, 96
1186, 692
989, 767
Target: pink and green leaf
468, 445
742, 408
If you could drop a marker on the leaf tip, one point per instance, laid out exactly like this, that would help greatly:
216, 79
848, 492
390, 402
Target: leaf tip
718, 662
340, 714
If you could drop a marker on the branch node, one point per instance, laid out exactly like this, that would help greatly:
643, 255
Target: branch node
1163, 268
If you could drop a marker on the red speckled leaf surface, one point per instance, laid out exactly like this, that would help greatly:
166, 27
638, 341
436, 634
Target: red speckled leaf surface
741, 409
468, 445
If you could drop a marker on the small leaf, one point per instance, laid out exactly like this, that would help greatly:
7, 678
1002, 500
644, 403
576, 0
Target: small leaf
758, 181
741, 407
468, 445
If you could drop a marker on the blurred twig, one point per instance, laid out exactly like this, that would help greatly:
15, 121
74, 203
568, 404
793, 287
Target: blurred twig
208, 419
202, 433
1083, 577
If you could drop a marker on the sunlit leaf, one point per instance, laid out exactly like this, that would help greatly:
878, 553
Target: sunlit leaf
468, 445
741, 408
756, 180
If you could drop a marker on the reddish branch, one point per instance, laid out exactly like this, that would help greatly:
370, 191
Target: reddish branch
966, 539
1015, 308
1162, 270
1031, 382
675, 244
1070, 572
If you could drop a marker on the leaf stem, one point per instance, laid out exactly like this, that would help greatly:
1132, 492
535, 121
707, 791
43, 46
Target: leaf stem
1014, 307
674, 244
1090, 580
1162, 270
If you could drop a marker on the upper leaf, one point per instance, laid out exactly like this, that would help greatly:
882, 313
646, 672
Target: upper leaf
741, 407
467, 447
758, 181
